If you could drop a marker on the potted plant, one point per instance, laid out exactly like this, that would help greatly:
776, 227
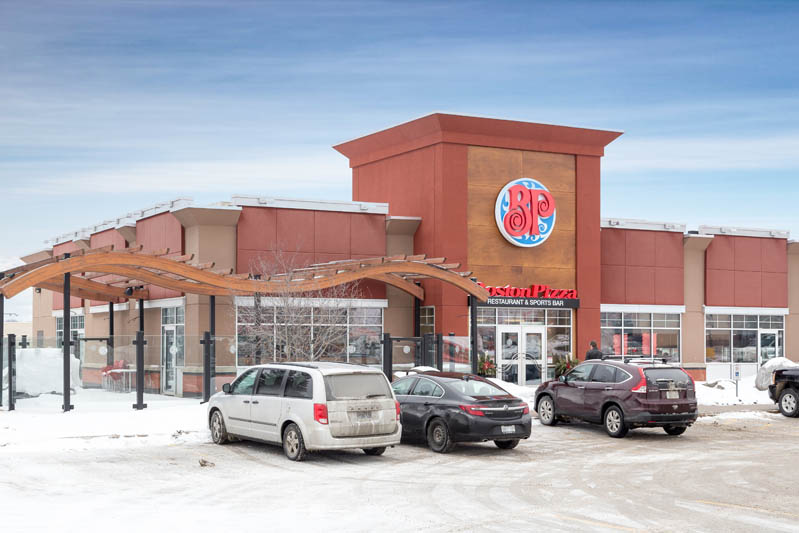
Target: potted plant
563, 365
486, 367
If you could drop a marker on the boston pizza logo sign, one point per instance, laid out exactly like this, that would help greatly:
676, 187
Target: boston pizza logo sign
525, 212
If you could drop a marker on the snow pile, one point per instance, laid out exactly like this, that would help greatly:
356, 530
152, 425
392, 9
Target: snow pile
764, 372
525, 393
101, 419
41, 371
722, 392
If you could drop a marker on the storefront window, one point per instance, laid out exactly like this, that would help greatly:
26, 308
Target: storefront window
744, 346
427, 320
717, 346
742, 339
641, 334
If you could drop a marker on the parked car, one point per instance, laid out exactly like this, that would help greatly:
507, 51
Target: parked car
307, 407
621, 396
444, 408
784, 390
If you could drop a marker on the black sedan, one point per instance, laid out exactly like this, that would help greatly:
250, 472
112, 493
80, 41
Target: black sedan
444, 408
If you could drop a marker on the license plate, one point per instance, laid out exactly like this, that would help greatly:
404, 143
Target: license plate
363, 415
672, 394
508, 429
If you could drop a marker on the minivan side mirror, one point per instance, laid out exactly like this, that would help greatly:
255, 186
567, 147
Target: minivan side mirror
562, 379
226, 388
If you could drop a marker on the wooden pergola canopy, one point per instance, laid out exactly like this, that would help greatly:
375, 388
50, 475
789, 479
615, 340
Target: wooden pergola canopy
110, 275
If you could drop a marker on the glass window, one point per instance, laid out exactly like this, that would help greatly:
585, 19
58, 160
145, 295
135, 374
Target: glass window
611, 341
476, 387
744, 321
365, 345
559, 343
356, 386
509, 316
604, 374
620, 376
403, 386
330, 315
666, 344
244, 383
299, 385
425, 387
744, 345
637, 341
330, 343
270, 381
666, 320
717, 346
580, 373
532, 316
427, 320
717, 321
486, 315
559, 317
610, 320
366, 315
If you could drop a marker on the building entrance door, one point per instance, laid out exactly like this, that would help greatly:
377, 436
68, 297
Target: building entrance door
169, 352
521, 354
769, 345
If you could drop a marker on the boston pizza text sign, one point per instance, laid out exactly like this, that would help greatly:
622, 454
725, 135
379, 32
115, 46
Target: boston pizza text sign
525, 212
533, 296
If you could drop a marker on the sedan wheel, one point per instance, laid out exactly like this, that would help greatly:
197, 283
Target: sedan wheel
546, 411
218, 431
614, 422
507, 444
675, 430
789, 402
293, 444
438, 437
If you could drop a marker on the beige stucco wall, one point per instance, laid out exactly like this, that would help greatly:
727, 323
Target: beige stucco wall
398, 316
792, 320
693, 320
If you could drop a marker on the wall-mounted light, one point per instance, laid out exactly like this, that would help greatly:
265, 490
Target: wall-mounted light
38, 290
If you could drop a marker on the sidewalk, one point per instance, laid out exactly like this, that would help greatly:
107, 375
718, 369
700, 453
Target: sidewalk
709, 410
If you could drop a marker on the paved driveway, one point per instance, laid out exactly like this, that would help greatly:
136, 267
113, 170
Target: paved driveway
731, 472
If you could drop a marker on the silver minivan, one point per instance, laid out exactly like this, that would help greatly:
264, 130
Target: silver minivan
307, 407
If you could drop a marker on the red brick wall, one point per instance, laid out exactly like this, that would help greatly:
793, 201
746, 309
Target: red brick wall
746, 272
105, 238
642, 267
297, 238
158, 232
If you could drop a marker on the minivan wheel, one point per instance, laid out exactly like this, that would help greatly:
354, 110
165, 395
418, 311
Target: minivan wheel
675, 430
293, 444
375, 451
614, 422
438, 437
218, 430
546, 411
789, 403
507, 444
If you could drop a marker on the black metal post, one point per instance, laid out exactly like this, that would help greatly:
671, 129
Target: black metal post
451, 350
12, 371
207, 343
140, 343
439, 360
417, 317
24, 343
388, 356
109, 358
141, 315
212, 329
67, 406
473, 331
2, 341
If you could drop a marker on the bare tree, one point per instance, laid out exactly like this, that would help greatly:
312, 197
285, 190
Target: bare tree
301, 327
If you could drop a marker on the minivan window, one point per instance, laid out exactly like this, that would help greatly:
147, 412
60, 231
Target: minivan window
356, 386
403, 386
604, 374
660, 378
299, 385
270, 381
243, 385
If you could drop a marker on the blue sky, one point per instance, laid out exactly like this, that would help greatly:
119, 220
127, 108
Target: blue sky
110, 106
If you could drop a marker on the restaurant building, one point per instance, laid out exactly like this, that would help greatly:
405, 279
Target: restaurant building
515, 203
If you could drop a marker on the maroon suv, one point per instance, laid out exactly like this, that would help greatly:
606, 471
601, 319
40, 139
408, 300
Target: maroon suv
621, 396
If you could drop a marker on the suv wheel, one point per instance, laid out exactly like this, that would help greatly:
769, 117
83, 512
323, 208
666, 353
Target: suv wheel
675, 430
507, 444
789, 402
293, 444
218, 430
374, 451
438, 436
546, 411
614, 422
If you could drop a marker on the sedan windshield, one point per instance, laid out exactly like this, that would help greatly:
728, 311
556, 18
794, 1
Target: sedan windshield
476, 387
356, 386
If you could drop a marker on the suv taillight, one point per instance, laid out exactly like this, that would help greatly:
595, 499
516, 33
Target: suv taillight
398, 409
526, 409
641, 387
320, 413
472, 410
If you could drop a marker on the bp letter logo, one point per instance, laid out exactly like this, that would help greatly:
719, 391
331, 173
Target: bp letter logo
525, 212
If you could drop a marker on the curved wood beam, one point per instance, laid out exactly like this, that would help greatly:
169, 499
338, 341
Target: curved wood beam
99, 263
395, 281
167, 282
106, 292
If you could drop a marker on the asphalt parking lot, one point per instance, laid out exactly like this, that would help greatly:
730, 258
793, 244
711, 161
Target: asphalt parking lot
732, 472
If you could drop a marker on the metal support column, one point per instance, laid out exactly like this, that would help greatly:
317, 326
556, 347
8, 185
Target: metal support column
388, 356
417, 317
67, 406
439, 361
212, 329
140, 343
2, 340
473, 332
207, 343
109, 358
12, 370
141, 315
24, 342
